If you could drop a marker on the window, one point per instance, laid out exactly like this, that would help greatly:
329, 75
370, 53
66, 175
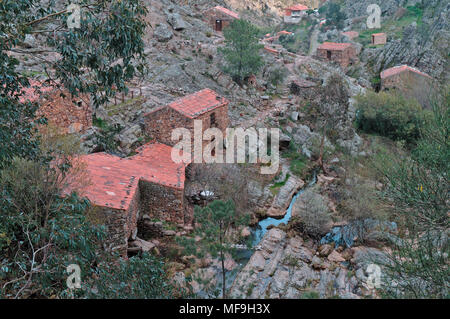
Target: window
212, 120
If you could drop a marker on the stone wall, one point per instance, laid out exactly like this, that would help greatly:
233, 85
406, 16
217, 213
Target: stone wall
160, 123
70, 114
212, 15
379, 38
162, 202
120, 224
411, 84
343, 57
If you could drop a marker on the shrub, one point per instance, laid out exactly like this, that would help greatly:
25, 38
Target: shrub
277, 75
390, 114
311, 214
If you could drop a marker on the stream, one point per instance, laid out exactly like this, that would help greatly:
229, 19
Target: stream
261, 229
242, 256
258, 232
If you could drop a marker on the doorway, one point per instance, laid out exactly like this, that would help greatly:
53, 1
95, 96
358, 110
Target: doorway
219, 25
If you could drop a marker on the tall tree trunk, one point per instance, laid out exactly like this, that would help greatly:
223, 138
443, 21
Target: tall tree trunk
222, 262
223, 276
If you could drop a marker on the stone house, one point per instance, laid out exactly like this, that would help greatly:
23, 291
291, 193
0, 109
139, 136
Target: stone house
379, 38
122, 190
409, 81
205, 105
219, 17
295, 13
342, 53
70, 114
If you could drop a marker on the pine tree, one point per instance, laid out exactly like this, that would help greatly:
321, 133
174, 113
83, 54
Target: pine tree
242, 50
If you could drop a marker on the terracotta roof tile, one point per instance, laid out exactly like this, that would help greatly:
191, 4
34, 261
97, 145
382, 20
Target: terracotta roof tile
378, 34
227, 12
399, 69
114, 180
198, 103
297, 7
284, 32
334, 46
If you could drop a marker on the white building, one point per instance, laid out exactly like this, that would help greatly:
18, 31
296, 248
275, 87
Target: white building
295, 13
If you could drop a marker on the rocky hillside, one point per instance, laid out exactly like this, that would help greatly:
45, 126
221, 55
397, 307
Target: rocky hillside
418, 34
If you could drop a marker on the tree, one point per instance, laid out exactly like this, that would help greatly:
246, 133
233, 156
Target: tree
333, 14
215, 223
391, 114
242, 50
332, 110
418, 188
42, 228
98, 58
139, 277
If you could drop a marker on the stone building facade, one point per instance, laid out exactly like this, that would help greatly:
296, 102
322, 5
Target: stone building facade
342, 53
379, 38
122, 190
205, 105
70, 114
410, 81
219, 17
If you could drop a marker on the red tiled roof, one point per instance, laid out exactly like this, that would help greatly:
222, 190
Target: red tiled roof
227, 12
198, 103
114, 180
378, 34
399, 69
269, 49
297, 7
284, 32
334, 46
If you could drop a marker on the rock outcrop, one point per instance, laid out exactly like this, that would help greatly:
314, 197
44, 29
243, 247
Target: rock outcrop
286, 267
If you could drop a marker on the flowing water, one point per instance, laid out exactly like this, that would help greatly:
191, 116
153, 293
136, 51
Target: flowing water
263, 225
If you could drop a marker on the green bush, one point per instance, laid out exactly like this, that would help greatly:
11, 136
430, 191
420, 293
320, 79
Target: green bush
390, 114
277, 75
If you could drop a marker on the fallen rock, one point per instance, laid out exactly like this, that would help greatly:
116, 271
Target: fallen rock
245, 232
335, 257
325, 250
176, 21
140, 245
162, 33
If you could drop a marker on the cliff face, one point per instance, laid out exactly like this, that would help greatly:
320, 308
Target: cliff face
423, 44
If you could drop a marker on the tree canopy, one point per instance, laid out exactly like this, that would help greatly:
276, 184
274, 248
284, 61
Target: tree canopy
241, 51
98, 58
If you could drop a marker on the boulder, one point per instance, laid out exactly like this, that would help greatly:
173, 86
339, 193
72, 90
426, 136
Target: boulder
325, 250
176, 21
336, 257
162, 33
245, 232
